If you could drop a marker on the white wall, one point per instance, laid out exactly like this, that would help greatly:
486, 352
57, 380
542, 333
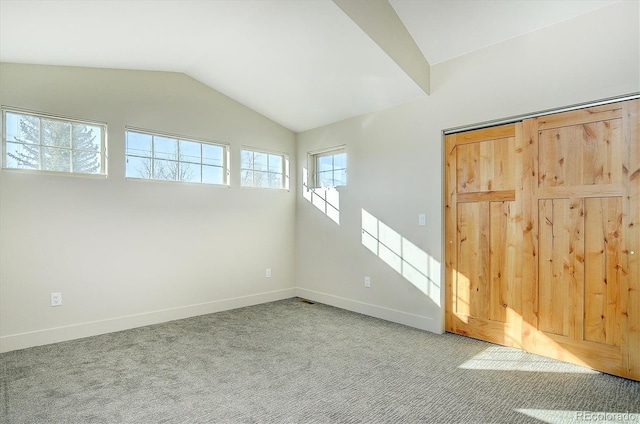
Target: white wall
125, 253
395, 156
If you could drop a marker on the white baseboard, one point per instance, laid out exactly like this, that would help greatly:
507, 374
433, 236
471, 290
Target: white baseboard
94, 328
411, 320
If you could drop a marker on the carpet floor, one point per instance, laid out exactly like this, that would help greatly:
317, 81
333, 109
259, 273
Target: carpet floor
294, 362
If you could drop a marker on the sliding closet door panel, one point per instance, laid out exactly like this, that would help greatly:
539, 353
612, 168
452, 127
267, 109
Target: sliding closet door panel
578, 239
483, 235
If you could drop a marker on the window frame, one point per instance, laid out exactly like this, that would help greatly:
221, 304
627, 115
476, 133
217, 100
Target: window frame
102, 150
152, 156
313, 165
285, 167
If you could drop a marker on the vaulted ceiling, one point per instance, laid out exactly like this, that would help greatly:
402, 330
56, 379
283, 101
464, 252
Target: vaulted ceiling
302, 63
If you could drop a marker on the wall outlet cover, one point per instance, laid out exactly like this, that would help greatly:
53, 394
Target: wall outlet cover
56, 299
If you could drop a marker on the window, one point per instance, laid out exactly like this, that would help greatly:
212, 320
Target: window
264, 170
153, 156
47, 143
329, 167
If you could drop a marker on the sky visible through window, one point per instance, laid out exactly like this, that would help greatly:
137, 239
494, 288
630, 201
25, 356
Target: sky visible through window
158, 157
331, 169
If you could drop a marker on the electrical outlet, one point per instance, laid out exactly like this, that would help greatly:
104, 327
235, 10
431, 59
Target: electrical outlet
422, 219
56, 299
268, 273
367, 281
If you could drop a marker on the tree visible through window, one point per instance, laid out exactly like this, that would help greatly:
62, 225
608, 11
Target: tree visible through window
44, 143
161, 157
265, 170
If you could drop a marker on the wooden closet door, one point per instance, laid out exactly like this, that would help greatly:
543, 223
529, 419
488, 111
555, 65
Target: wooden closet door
483, 233
542, 227
581, 181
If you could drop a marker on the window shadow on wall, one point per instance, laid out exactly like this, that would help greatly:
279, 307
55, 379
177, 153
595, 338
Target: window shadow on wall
325, 199
404, 257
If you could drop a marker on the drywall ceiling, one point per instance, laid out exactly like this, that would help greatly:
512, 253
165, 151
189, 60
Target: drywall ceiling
445, 29
302, 63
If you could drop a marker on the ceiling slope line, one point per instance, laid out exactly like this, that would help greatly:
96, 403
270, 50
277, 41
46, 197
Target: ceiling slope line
379, 20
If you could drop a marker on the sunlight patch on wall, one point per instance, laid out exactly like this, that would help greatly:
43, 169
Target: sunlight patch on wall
326, 199
553, 416
500, 358
407, 259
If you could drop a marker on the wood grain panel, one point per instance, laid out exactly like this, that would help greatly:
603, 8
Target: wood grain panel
529, 208
580, 352
468, 168
630, 304
487, 196
580, 155
603, 255
602, 152
491, 133
596, 268
488, 330
486, 166
575, 273
503, 242
600, 190
616, 270
595, 159
560, 158
497, 279
469, 268
451, 231
502, 165
473, 256
561, 271
481, 284
550, 284
581, 116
